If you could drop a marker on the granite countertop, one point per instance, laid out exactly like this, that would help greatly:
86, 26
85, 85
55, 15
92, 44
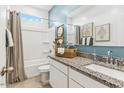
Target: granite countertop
79, 64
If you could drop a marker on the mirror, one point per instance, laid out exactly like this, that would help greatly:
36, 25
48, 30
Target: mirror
73, 34
80, 35
107, 25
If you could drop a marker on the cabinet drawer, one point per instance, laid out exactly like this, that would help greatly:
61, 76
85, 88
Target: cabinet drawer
85, 80
73, 84
57, 78
59, 66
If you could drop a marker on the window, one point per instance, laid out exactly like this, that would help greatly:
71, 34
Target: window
31, 18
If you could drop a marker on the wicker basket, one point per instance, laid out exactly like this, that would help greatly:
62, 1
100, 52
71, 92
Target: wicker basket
70, 53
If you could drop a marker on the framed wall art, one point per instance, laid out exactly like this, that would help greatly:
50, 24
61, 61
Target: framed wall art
60, 35
87, 29
102, 33
60, 31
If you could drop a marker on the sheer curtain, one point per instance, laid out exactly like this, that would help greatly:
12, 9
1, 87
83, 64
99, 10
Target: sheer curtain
15, 53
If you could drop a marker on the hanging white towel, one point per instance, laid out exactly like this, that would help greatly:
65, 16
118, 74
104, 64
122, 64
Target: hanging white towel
9, 40
88, 40
83, 41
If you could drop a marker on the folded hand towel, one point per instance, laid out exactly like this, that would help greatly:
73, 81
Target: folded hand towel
61, 50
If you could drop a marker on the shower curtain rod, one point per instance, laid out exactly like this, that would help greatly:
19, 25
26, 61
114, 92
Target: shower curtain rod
31, 30
34, 30
50, 20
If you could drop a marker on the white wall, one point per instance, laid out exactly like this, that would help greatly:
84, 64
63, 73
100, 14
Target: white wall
34, 34
27, 9
34, 12
2, 43
102, 15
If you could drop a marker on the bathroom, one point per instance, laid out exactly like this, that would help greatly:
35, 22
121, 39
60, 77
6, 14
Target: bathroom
61, 46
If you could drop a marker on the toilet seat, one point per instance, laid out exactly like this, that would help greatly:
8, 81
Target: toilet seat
44, 68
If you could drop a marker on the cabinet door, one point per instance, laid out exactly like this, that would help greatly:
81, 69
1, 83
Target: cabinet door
84, 80
57, 78
73, 84
63, 68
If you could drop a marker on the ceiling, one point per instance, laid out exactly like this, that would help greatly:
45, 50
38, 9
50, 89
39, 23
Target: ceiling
43, 7
81, 9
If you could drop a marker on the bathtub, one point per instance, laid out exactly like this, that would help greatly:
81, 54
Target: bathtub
31, 66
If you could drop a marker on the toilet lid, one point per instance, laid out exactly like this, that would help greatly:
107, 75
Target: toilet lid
44, 68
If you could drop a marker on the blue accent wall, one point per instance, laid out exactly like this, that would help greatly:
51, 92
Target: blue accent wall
58, 16
60, 12
27, 17
102, 50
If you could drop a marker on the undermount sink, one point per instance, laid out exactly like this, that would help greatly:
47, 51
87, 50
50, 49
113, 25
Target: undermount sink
106, 71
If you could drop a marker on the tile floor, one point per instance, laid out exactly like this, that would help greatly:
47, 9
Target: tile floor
30, 83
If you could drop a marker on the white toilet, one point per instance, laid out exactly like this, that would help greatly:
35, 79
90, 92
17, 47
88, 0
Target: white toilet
44, 72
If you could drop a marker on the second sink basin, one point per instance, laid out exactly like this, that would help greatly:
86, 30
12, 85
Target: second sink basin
106, 71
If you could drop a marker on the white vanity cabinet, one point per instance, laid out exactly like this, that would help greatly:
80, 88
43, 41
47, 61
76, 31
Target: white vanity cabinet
62, 76
74, 84
58, 75
84, 80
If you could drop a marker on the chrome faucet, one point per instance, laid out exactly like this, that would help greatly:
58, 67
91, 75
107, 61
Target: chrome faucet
113, 62
119, 61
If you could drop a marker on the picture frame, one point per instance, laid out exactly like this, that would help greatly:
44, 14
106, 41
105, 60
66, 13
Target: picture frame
60, 31
102, 33
87, 30
60, 35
